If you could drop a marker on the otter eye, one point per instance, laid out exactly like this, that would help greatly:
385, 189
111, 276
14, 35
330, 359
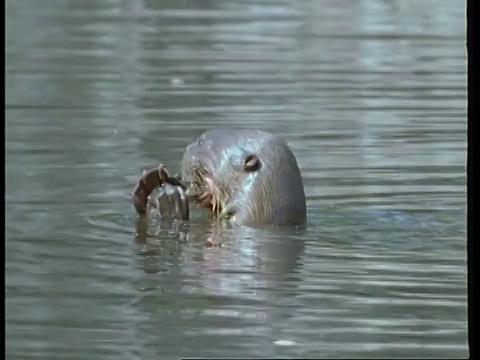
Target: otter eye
251, 163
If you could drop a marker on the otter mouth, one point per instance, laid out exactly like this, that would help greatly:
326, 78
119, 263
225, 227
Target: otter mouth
204, 193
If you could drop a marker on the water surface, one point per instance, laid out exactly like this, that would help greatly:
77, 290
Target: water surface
370, 95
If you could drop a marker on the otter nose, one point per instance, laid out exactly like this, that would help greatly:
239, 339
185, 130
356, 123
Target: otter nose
191, 152
196, 150
191, 157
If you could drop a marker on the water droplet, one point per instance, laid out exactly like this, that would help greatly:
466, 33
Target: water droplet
285, 342
176, 81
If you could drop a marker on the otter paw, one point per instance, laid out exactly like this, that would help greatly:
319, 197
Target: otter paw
157, 191
169, 202
149, 180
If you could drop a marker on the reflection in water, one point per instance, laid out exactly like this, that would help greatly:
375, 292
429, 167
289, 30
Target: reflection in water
369, 94
238, 271
216, 252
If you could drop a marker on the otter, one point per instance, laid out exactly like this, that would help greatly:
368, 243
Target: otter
248, 176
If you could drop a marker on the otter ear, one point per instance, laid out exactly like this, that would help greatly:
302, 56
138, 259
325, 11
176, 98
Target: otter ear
251, 163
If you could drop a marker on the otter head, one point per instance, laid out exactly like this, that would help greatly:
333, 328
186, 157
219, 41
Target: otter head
249, 176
